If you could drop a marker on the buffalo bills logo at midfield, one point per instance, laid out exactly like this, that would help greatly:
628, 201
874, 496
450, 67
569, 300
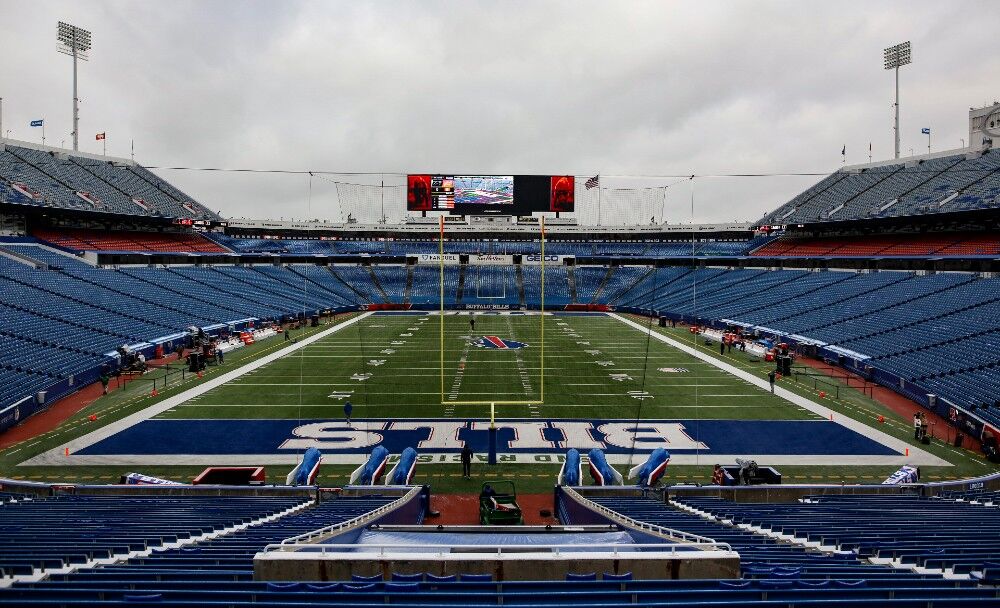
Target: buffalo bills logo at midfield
499, 343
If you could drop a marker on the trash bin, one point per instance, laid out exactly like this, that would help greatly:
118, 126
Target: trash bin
959, 438
663, 321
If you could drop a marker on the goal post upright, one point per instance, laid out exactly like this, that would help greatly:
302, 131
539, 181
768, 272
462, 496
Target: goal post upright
541, 317
441, 296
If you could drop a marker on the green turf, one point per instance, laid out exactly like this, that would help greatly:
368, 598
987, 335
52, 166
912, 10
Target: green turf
407, 381
408, 385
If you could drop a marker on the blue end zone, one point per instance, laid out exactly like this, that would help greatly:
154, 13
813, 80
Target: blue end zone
763, 437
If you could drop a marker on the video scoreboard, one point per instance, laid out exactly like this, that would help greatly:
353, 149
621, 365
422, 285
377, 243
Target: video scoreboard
490, 194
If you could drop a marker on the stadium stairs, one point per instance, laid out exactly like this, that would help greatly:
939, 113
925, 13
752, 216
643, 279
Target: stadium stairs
571, 284
460, 292
409, 285
376, 284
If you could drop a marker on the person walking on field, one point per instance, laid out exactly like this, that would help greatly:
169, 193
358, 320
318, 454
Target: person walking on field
472, 324
105, 379
467, 461
348, 408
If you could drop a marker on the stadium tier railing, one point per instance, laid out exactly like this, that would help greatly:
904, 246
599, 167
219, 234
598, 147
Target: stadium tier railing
412, 495
567, 493
467, 551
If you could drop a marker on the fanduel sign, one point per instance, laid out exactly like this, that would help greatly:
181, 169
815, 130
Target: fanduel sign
435, 258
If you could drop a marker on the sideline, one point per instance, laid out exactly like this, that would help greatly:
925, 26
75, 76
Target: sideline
917, 455
56, 456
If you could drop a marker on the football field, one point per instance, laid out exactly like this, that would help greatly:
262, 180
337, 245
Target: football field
427, 381
389, 366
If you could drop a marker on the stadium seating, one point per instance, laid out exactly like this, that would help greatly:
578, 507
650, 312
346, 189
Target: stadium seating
412, 248
217, 571
63, 181
96, 240
770, 563
427, 285
909, 532
556, 285
939, 332
589, 282
903, 188
392, 280
59, 322
52, 533
957, 244
159, 545
491, 285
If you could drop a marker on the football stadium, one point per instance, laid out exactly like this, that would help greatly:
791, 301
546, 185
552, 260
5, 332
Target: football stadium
511, 386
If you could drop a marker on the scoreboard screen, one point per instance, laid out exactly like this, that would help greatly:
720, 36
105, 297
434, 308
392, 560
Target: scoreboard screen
486, 194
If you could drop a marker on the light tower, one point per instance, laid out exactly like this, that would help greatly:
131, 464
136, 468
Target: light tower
74, 41
896, 57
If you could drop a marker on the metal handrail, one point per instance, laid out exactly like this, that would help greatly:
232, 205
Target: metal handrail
355, 521
466, 550
670, 533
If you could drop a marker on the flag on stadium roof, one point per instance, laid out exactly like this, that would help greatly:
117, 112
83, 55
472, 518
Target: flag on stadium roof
925, 131
101, 136
38, 123
593, 182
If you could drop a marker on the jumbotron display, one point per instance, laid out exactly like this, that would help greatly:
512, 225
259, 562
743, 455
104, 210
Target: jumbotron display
490, 194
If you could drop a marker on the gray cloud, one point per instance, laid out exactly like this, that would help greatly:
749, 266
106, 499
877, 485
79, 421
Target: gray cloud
625, 89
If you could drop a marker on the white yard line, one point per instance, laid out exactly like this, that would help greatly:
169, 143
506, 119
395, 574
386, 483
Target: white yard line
171, 402
917, 455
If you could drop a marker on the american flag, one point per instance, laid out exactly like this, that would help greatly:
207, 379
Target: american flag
593, 182
101, 136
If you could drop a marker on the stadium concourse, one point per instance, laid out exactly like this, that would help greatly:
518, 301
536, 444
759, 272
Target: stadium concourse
238, 344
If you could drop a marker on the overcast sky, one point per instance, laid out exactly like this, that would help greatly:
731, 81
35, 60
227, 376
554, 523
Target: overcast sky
617, 88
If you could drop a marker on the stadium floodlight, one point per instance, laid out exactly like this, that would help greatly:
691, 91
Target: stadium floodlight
74, 41
896, 57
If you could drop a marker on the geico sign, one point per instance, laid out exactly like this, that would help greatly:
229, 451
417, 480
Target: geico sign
537, 259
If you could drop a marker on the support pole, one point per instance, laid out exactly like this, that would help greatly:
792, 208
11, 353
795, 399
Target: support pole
897, 112
76, 107
491, 457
